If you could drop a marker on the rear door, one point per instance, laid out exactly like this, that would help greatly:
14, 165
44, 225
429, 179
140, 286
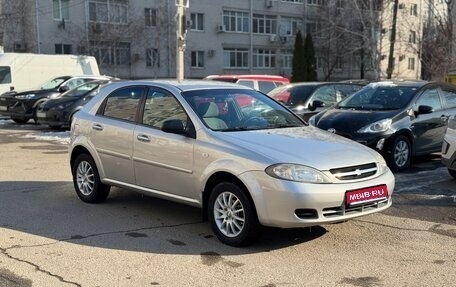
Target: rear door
112, 132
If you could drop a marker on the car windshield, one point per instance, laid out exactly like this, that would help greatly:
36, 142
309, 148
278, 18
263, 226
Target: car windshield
83, 89
52, 84
239, 110
379, 97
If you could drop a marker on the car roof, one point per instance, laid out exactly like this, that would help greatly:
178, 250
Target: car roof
411, 83
247, 77
189, 84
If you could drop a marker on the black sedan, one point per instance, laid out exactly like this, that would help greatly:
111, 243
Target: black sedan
307, 99
399, 119
59, 111
22, 106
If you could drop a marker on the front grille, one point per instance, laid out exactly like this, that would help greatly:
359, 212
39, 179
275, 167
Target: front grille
338, 211
354, 172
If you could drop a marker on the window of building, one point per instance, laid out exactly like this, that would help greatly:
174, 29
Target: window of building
63, 49
150, 16
61, 9
286, 58
264, 58
338, 63
412, 37
294, 1
108, 11
197, 21
414, 9
152, 58
411, 63
264, 24
289, 26
197, 59
111, 53
315, 29
235, 21
123, 103
235, 58
317, 2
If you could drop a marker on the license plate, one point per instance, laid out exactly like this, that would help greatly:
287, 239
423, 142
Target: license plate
41, 115
368, 194
3, 108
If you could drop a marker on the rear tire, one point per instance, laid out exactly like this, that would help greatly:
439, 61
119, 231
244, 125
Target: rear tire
400, 154
86, 180
20, 121
232, 216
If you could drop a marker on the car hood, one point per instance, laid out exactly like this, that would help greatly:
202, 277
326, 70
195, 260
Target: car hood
346, 120
58, 101
305, 145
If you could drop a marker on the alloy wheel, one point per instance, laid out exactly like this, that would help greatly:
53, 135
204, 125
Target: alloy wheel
401, 153
85, 178
229, 214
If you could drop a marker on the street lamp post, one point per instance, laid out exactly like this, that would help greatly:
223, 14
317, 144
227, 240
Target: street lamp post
181, 29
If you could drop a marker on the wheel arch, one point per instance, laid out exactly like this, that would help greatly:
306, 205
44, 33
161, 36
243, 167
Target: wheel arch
218, 177
404, 132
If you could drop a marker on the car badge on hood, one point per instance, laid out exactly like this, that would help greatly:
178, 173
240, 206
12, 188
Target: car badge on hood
331, 130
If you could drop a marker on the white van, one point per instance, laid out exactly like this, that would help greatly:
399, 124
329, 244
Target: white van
21, 71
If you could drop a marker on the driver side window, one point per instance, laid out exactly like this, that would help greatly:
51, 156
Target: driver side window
161, 106
430, 98
326, 94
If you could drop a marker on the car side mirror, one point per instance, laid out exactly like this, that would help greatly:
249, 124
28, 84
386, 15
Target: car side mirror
63, 89
423, 109
315, 104
176, 126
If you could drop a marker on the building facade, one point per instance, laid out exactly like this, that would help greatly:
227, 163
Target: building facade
137, 39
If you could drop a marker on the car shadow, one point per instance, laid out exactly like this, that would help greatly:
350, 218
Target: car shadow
126, 221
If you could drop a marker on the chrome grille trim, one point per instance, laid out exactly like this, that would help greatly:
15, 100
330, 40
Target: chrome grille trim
354, 172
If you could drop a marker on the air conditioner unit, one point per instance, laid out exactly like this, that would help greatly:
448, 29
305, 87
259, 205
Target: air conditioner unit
221, 28
401, 6
273, 38
283, 39
268, 3
210, 53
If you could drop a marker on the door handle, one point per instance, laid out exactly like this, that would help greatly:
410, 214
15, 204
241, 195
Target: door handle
143, 138
97, 127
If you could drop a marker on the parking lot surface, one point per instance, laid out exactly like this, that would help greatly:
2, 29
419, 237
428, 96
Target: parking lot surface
48, 237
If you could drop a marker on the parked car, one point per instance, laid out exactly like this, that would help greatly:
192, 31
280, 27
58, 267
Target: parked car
310, 98
246, 165
59, 111
449, 147
22, 106
398, 119
262, 83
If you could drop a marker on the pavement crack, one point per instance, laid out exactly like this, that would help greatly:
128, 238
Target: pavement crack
37, 267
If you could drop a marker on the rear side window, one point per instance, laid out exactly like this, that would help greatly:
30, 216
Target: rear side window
265, 86
246, 83
5, 75
326, 94
123, 103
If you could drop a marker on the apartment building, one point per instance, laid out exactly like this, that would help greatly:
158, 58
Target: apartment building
137, 39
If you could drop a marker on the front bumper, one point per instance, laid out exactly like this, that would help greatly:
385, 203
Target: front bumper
449, 149
287, 204
14, 108
377, 141
52, 117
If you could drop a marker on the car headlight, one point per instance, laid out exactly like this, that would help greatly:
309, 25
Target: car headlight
377, 127
27, 96
381, 164
296, 172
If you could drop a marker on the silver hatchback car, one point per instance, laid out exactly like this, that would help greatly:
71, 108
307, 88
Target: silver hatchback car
242, 157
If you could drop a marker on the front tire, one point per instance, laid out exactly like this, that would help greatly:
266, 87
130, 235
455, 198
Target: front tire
400, 154
452, 172
232, 216
86, 180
